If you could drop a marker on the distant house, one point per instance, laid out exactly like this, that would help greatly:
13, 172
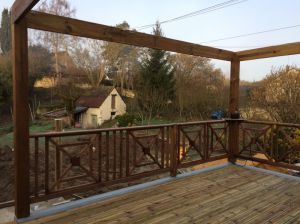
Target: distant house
102, 105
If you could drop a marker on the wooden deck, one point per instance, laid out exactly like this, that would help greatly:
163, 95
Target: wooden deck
229, 195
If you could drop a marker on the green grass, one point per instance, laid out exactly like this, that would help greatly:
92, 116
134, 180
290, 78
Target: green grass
6, 138
157, 121
41, 126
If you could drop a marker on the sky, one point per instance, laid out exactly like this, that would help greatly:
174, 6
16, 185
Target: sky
246, 17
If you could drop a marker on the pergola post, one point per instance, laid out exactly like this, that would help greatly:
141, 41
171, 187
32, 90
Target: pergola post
233, 141
21, 118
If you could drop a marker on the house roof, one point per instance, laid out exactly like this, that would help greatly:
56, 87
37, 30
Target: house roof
95, 98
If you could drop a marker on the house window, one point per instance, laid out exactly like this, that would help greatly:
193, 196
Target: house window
113, 101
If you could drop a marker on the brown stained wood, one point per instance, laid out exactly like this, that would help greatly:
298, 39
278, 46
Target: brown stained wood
99, 147
21, 117
47, 166
174, 146
93, 186
251, 197
20, 8
121, 154
58, 24
107, 154
115, 155
267, 52
163, 151
134, 128
36, 166
233, 138
234, 85
168, 147
58, 165
127, 154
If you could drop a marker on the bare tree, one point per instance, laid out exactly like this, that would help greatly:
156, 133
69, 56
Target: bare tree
279, 94
200, 88
87, 55
54, 41
121, 61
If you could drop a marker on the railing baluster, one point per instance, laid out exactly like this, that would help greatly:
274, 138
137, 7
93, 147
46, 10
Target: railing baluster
36, 166
206, 139
211, 140
156, 148
168, 148
99, 147
174, 150
115, 155
57, 167
134, 152
225, 138
47, 165
272, 142
107, 156
90, 154
127, 153
162, 131
183, 147
121, 154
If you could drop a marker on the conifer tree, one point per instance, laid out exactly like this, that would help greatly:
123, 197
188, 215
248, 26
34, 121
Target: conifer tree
5, 31
156, 82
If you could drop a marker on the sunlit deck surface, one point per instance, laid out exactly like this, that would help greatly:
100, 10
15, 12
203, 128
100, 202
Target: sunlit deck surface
232, 194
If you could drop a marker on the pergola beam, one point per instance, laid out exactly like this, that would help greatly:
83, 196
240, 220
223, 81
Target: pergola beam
267, 52
64, 25
21, 7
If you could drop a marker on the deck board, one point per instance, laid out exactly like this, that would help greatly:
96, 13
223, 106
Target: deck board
229, 195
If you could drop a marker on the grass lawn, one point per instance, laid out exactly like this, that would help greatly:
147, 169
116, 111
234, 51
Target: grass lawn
157, 121
42, 126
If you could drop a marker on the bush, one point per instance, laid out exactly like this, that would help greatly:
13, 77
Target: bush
125, 120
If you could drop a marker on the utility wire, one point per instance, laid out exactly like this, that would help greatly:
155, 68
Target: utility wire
252, 34
195, 13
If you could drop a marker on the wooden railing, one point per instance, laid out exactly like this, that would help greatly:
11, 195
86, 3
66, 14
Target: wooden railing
69, 162
65, 163
272, 143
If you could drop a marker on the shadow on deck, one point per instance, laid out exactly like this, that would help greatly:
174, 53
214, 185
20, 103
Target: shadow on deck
220, 194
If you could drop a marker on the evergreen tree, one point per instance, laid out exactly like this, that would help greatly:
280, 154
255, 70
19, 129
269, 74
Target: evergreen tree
5, 31
156, 81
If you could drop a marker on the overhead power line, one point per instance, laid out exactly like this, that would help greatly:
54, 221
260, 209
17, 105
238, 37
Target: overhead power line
195, 13
252, 34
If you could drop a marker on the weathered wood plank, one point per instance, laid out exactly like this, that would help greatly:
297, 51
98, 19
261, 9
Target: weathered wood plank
53, 23
267, 52
251, 197
21, 7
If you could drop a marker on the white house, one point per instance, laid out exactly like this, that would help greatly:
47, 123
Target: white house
103, 105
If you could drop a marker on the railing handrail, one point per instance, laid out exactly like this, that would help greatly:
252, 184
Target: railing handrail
271, 123
136, 128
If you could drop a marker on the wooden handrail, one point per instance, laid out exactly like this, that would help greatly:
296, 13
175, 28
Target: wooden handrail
135, 128
271, 123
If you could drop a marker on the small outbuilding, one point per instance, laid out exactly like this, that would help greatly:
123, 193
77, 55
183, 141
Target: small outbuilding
102, 105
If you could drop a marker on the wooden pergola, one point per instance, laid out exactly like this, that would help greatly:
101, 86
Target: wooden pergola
23, 19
